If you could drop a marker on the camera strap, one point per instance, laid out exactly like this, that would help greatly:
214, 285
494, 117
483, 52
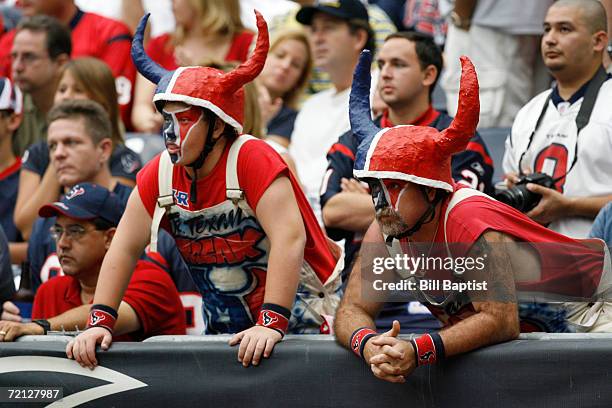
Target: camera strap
582, 119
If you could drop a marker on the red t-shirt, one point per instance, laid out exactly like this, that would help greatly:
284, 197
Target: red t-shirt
567, 266
151, 293
258, 166
161, 49
94, 36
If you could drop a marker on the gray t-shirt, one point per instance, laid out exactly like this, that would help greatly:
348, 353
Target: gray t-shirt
512, 16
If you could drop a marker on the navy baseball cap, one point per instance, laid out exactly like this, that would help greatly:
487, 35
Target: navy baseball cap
86, 201
351, 10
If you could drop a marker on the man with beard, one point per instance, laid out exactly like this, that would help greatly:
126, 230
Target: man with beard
410, 64
408, 169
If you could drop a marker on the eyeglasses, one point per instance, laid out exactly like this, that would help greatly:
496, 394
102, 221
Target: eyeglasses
27, 58
75, 232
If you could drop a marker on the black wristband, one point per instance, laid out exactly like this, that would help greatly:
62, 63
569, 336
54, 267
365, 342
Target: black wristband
359, 338
106, 309
44, 324
416, 348
440, 353
278, 309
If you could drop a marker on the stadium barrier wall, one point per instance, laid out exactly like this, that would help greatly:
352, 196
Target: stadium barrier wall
313, 371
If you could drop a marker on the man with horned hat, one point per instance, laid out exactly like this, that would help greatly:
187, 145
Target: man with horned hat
238, 216
408, 169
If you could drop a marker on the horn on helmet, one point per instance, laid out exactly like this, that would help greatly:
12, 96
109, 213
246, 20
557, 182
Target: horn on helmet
145, 65
359, 101
456, 137
248, 70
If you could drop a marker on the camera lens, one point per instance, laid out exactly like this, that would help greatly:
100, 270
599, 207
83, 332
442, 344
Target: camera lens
519, 197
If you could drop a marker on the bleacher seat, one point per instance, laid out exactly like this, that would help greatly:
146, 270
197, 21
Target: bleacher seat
495, 139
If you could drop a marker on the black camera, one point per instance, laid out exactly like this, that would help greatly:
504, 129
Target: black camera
521, 198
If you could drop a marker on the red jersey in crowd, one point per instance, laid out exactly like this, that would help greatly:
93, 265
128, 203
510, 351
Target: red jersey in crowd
151, 293
94, 36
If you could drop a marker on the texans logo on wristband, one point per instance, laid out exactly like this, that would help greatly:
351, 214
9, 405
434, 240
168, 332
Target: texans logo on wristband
426, 356
95, 317
356, 344
268, 320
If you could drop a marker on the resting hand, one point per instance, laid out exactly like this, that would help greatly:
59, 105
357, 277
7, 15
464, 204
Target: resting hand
371, 349
395, 362
10, 312
268, 106
83, 347
9, 331
255, 342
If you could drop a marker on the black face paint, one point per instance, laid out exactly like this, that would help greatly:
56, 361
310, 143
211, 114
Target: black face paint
377, 191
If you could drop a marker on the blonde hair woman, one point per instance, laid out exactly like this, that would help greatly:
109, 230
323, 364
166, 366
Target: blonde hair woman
282, 83
205, 29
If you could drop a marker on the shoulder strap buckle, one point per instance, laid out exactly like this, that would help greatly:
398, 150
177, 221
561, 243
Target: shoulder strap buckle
234, 194
165, 201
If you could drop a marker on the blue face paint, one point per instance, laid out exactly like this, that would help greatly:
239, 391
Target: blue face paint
177, 127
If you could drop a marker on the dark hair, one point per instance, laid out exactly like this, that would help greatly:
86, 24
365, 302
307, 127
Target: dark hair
58, 35
355, 25
427, 51
102, 224
96, 119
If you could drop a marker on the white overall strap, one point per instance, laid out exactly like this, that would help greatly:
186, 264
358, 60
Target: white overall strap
232, 186
456, 198
165, 198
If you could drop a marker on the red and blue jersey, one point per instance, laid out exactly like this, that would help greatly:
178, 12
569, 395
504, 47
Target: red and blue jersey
223, 244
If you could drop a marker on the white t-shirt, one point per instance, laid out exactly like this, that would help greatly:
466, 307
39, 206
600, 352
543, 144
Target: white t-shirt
321, 121
553, 146
268, 8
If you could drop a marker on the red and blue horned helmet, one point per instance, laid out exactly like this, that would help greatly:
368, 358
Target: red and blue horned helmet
207, 87
418, 154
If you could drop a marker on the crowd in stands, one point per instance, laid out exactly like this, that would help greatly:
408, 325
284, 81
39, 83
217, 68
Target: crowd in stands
72, 103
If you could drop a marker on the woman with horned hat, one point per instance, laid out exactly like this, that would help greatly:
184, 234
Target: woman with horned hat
239, 218
408, 169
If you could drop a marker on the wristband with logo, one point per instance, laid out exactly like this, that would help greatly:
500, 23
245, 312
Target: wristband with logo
102, 316
428, 349
274, 317
359, 339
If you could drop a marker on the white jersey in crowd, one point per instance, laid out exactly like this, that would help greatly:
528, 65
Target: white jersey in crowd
554, 145
321, 121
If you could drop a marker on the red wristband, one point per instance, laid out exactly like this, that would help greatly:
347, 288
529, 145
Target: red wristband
102, 316
360, 338
273, 320
425, 350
